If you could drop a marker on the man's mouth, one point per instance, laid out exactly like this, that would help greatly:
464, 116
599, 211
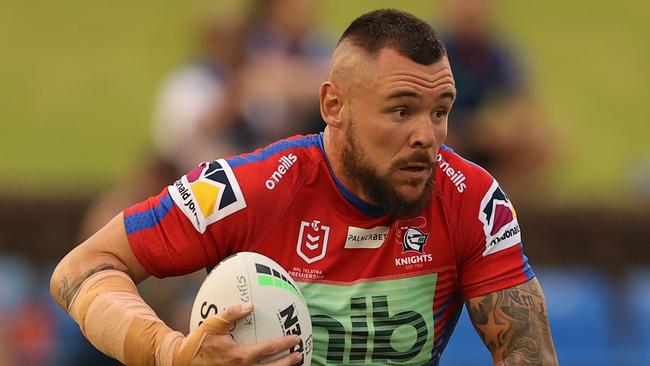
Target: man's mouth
416, 167
416, 170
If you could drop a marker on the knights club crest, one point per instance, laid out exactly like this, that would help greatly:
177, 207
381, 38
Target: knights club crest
312, 241
412, 238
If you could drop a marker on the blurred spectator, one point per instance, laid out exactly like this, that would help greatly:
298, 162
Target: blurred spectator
496, 121
191, 122
254, 78
287, 60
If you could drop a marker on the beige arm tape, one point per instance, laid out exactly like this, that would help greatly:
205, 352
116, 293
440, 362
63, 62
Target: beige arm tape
115, 319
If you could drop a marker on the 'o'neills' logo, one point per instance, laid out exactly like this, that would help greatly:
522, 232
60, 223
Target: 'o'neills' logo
286, 161
457, 177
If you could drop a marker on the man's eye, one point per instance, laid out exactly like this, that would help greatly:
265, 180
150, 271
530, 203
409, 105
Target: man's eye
439, 113
400, 113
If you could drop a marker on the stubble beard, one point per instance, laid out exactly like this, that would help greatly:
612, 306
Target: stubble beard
379, 188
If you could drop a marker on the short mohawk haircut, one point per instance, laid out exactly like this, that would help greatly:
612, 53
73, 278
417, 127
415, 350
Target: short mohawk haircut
408, 35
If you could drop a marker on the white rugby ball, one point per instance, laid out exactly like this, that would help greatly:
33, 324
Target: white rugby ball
279, 307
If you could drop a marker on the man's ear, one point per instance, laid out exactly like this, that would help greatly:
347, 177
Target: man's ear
331, 104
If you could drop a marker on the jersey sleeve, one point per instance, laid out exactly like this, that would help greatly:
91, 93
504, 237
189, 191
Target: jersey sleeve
218, 209
491, 257
169, 233
163, 239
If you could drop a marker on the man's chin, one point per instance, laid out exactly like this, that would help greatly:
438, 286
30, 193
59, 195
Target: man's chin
412, 193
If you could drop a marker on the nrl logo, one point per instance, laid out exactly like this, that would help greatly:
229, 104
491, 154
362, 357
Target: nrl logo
312, 241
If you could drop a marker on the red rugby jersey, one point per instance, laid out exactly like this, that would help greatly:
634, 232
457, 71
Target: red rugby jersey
379, 290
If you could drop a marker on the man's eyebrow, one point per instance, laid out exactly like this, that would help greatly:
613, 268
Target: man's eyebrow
404, 94
448, 94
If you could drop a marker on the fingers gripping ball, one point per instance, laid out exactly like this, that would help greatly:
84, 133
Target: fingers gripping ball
186, 350
251, 278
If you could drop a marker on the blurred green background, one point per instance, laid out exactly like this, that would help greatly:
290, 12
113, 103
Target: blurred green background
78, 81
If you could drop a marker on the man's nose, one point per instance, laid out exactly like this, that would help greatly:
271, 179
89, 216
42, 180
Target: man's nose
424, 133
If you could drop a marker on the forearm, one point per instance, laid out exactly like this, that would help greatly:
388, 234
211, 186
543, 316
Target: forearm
517, 358
94, 283
514, 326
115, 319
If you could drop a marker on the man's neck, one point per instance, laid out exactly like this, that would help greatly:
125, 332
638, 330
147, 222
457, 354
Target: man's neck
333, 148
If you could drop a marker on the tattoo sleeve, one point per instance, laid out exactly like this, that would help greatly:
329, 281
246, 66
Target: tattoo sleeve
67, 289
514, 326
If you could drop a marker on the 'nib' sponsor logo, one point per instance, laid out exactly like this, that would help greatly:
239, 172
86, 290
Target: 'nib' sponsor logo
372, 337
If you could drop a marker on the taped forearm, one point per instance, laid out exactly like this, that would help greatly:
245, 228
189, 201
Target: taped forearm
115, 319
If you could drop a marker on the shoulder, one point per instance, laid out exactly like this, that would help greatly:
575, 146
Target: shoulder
463, 186
476, 202
271, 176
307, 147
253, 182
456, 176
275, 166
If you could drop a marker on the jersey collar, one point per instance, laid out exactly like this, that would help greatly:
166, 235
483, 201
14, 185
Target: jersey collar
361, 205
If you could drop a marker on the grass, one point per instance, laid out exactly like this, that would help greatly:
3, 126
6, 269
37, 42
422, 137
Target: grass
78, 80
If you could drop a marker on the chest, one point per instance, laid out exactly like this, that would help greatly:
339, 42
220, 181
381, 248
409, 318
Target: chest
371, 286
320, 242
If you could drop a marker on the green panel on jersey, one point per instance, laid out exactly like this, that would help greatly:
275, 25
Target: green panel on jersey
373, 323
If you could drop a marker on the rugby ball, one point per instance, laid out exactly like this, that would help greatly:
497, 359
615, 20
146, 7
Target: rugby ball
279, 307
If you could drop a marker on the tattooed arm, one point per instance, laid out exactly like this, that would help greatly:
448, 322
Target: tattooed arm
108, 249
514, 326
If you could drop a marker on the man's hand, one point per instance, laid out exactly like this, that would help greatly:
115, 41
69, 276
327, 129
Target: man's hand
211, 344
514, 326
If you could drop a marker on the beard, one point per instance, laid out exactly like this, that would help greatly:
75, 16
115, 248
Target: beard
379, 187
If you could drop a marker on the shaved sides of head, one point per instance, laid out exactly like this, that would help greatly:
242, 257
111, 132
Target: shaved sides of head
346, 61
390, 28
371, 32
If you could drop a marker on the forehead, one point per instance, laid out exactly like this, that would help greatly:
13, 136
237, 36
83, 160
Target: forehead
394, 71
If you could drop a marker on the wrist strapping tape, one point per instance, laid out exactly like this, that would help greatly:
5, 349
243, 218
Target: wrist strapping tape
115, 319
